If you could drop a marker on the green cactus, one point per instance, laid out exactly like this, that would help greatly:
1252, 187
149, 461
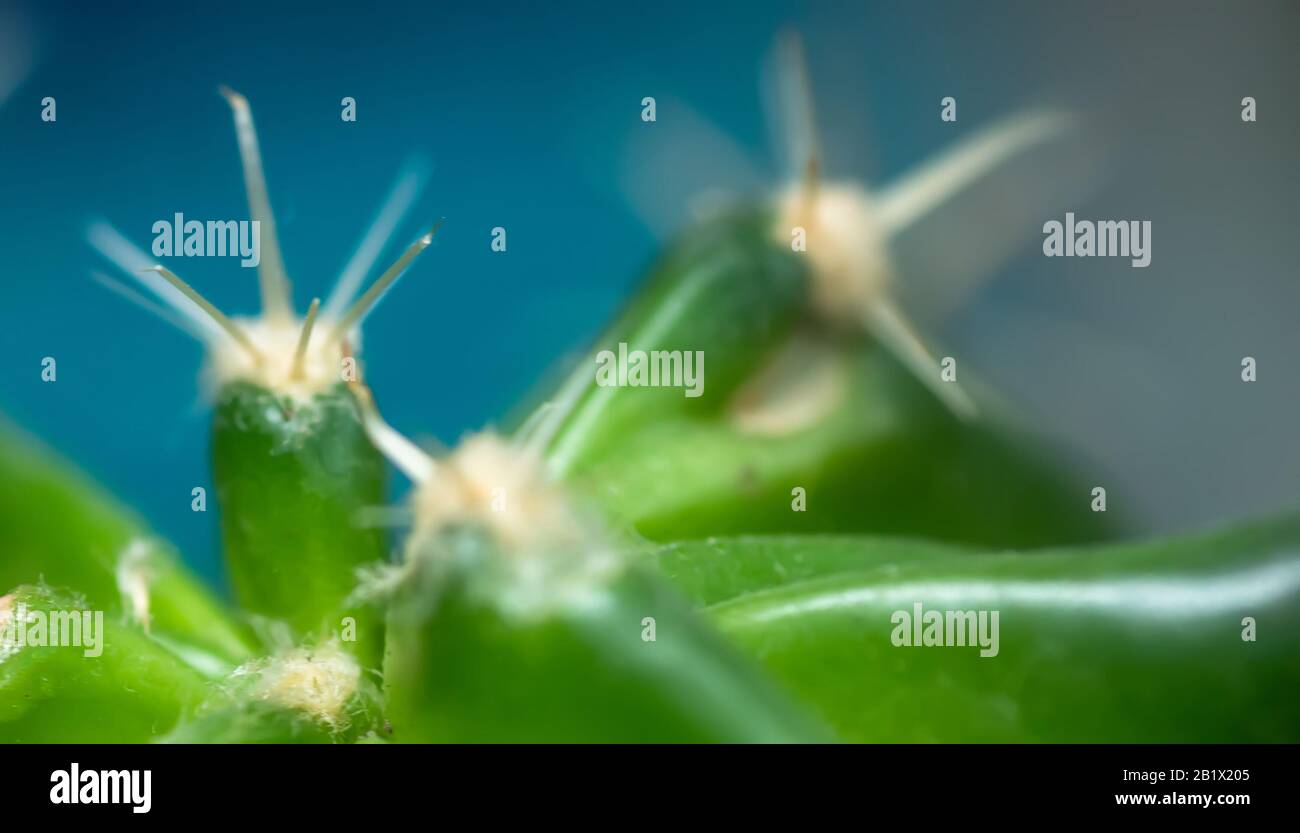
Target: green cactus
641, 564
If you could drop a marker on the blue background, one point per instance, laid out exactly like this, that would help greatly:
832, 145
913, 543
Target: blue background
530, 114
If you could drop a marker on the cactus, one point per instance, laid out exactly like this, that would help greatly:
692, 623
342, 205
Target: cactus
548, 588
817, 379
137, 687
1147, 642
293, 468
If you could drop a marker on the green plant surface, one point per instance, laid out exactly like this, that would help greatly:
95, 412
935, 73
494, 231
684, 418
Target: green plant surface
793, 398
250, 721
886, 457
56, 526
292, 479
716, 570
719, 289
133, 691
1138, 642
463, 667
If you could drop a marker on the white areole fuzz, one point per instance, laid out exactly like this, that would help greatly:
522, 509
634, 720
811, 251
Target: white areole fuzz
501, 486
547, 550
843, 237
280, 367
319, 682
